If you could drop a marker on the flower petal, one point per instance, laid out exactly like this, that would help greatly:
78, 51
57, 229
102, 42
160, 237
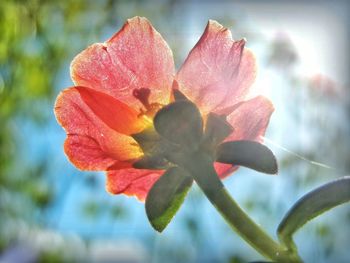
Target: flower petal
132, 182
242, 86
250, 119
135, 57
218, 72
224, 170
91, 144
112, 112
86, 154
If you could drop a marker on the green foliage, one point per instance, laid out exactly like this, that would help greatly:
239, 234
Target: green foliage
118, 212
216, 130
247, 153
312, 205
153, 147
92, 209
236, 259
95, 209
181, 123
166, 196
51, 256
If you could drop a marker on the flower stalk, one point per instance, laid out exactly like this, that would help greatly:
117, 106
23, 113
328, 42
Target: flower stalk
201, 168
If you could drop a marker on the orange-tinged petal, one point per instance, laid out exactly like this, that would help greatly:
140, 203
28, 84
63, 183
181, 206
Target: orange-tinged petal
218, 72
86, 154
135, 57
117, 115
223, 170
250, 119
91, 144
132, 182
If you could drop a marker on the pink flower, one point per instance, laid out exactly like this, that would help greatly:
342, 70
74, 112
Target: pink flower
120, 85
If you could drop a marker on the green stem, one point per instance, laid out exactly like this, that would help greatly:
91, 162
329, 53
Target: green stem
203, 172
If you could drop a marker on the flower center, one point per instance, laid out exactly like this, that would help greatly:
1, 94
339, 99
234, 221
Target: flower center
142, 95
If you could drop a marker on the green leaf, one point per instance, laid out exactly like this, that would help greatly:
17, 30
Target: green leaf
313, 204
181, 123
166, 196
249, 154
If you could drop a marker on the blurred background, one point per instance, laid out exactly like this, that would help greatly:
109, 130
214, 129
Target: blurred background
51, 212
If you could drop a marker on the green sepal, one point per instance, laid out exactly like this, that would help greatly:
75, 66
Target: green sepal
153, 162
166, 196
148, 139
312, 205
155, 149
181, 123
216, 130
178, 95
249, 154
